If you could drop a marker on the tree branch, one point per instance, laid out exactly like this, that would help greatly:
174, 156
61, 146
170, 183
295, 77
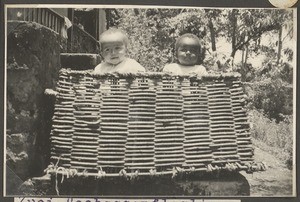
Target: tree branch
255, 35
287, 34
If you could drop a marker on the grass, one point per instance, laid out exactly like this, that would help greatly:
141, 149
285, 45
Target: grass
276, 138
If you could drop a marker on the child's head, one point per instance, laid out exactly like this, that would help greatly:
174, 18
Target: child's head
188, 50
113, 45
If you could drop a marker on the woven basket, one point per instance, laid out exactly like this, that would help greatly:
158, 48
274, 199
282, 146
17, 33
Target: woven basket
149, 124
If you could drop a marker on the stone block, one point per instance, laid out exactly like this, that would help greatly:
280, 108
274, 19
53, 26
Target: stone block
79, 61
33, 63
209, 184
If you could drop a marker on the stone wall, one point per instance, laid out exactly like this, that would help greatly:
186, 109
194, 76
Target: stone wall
33, 63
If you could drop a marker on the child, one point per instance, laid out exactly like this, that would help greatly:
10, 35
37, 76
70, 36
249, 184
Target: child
113, 47
188, 54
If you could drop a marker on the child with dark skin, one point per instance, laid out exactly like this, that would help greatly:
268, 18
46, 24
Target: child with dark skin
187, 50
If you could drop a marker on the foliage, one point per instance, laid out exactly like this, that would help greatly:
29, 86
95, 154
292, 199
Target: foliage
279, 136
248, 25
272, 96
112, 17
271, 89
153, 31
152, 34
282, 71
149, 40
219, 62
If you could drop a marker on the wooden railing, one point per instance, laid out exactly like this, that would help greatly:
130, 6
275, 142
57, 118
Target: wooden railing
77, 37
44, 16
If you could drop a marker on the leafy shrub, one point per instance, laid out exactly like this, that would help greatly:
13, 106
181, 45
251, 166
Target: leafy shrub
279, 136
273, 96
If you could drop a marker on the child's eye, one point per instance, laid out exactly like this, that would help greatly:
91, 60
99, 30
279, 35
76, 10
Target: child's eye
106, 50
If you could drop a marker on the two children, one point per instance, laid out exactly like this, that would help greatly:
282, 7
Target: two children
114, 44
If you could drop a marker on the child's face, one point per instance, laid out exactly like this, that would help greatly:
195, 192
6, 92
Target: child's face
113, 51
188, 51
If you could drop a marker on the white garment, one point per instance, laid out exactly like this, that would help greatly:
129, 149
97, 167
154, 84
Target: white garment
67, 25
185, 70
126, 66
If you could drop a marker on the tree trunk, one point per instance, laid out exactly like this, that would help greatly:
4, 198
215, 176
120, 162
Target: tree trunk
279, 45
246, 69
212, 35
233, 20
246, 57
243, 55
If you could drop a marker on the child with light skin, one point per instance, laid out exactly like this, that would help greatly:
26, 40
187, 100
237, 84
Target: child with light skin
113, 45
188, 53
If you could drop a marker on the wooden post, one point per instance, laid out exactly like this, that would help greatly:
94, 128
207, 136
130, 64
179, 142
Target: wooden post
39, 14
52, 21
56, 25
42, 16
34, 14
46, 18
70, 37
23, 14
101, 23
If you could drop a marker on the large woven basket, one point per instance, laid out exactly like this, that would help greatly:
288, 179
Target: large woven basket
149, 124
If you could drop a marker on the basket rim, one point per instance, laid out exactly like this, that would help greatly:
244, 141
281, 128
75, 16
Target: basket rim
210, 75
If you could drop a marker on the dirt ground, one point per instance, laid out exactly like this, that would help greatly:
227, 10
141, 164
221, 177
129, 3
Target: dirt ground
277, 180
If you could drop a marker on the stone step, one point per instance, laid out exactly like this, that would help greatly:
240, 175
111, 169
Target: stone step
206, 184
79, 61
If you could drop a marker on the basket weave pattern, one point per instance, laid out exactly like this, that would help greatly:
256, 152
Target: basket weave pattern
147, 123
